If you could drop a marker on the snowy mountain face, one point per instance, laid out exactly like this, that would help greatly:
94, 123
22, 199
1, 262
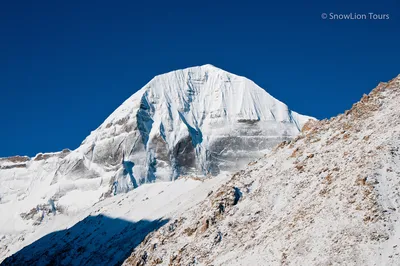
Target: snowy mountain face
199, 121
195, 121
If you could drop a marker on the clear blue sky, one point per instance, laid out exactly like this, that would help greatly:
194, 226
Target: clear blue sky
66, 65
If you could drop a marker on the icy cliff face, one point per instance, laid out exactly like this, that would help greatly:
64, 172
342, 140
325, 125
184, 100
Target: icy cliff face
195, 121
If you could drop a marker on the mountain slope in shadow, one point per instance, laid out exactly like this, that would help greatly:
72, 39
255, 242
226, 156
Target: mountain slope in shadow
96, 240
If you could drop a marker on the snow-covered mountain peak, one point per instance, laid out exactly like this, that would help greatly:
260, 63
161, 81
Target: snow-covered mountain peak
198, 88
198, 121
185, 121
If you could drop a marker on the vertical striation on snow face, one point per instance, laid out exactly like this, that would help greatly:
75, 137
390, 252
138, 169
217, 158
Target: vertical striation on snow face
195, 121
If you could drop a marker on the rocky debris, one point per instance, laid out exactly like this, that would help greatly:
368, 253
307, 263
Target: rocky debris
12, 166
41, 156
38, 213
20, 161
14, 162
308, 125
45, 156
15, 159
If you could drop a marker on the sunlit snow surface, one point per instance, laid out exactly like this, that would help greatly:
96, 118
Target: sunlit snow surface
150, 202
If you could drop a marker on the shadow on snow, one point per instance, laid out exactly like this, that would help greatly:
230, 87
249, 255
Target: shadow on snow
96, 240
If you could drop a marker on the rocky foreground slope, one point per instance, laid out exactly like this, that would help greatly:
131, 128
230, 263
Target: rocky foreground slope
330, 196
